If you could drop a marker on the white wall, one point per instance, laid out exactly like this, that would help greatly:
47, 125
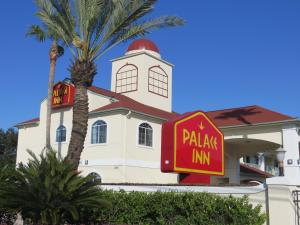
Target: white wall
144, 62
96, 100
291, 145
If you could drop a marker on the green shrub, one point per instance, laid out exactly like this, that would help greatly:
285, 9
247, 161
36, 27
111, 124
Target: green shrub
48, 190
179, 209
7, 216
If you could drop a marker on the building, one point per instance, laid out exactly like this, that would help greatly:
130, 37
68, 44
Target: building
123, 143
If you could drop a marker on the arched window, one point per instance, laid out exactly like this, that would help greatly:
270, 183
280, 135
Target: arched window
61, 133
99, 132
145, 135
158, 81
96, 176
127, 79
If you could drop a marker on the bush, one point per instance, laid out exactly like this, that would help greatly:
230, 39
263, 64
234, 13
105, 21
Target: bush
49, 191
178, 209
7, 216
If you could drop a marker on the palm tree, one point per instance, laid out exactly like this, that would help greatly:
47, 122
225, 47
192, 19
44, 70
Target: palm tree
49, 191
55, 52
96, 26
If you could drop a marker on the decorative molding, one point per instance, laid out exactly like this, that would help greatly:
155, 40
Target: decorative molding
175, 188
121, 162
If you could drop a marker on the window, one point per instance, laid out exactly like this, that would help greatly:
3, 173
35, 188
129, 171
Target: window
96, 176
145, 135
99, 132
127, 79
158, 81
246, 159
61, 133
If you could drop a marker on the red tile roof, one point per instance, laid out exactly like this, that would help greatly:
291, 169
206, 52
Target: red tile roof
34, 120
125, 102
249, 169
227, 117
245, 116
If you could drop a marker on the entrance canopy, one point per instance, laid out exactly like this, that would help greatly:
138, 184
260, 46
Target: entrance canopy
246, 146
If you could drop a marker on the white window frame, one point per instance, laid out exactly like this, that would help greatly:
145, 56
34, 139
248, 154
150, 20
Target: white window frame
91, 132
97, 174
65, 134
138, 132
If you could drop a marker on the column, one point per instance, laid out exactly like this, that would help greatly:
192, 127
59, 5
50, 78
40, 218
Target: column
291, 145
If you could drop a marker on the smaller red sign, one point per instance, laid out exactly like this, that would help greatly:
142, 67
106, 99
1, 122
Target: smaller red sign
192, 144
63, 95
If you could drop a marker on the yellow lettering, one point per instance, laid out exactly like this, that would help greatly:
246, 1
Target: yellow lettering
206, 141
193, 139
186, 135
199, 157
199, 140
55, 93
215, 143
206, 158
193, 157
56, 100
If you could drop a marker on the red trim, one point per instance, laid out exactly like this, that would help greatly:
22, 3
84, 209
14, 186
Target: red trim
165, 74
35, 120
251, 169
193, 178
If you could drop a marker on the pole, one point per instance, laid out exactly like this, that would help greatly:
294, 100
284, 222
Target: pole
267, 202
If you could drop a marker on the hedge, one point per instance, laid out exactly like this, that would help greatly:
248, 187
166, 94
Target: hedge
136, 208
178, 209
7, 216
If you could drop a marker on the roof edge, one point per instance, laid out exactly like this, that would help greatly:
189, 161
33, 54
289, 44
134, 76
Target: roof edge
249, 106
28, 122
297, 120
256, 170
141, 53
128, 109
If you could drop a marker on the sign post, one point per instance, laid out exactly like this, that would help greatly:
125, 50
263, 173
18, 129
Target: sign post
192, 144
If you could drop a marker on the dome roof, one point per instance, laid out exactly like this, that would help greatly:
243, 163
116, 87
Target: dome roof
143, 44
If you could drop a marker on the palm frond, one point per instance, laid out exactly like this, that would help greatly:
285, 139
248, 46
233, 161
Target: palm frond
126, 14
91, 15
64, 16
37, 32
136, 30
57, 19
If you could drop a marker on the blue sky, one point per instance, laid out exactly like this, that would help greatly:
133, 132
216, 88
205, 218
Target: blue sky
230, 53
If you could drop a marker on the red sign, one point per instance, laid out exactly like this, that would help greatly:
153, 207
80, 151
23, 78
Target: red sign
63, 95
192, 144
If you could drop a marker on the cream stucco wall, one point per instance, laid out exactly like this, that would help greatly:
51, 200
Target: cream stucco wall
30, 138
119, 160
122, 152
96, 100
128, 161
143, 62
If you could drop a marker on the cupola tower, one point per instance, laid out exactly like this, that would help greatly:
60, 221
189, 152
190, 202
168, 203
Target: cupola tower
143, 75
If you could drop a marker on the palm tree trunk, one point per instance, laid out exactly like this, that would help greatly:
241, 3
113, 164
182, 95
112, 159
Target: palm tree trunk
80, 124
53, 57
82, 74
